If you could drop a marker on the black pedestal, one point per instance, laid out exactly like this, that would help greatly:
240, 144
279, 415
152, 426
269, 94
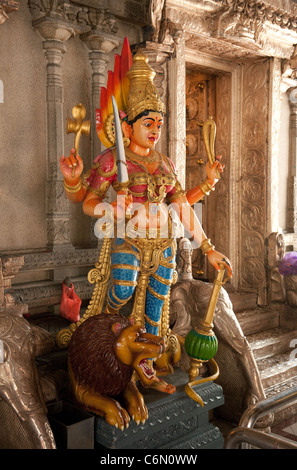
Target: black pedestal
175, 421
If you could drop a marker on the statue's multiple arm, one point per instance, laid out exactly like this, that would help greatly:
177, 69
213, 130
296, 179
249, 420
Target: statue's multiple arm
203, 189
76, 191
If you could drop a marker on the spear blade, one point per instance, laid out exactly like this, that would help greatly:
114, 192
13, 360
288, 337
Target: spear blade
121, 158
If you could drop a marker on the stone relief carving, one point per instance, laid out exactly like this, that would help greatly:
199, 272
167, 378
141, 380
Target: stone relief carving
263, 28
94, 15
50, 260
253, 185
20, 383
58, 231
49, 294
274, 150
275, 252
73, 14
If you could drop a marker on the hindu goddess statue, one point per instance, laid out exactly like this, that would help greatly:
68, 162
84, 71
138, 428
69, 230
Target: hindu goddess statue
143, 257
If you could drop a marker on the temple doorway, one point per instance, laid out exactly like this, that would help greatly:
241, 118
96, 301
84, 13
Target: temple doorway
207, 94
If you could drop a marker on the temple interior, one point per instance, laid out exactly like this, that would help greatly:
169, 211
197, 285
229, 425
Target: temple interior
234, 61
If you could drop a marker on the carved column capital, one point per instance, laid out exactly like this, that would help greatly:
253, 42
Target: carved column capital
158, 53
99, 45
96, 40
52, 28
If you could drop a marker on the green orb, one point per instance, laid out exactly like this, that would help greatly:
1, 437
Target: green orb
201, 347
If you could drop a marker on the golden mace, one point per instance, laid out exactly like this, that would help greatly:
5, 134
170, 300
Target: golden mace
201, 343
209, 135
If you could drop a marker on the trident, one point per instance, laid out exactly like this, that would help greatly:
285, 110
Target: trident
78, 126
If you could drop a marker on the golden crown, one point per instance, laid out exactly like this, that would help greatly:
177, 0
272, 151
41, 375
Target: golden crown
143, 94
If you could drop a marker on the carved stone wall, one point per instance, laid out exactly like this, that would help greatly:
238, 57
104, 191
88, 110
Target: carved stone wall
236, 38
253, 194
52, 49
238, 29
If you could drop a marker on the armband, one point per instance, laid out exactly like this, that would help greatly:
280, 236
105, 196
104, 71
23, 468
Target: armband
206, 187
206, 246
72, 189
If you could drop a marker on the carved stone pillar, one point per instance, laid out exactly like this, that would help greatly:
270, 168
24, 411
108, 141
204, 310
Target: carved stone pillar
9, 267
177, 109
99, 46
292, 180
54, 34
158, 55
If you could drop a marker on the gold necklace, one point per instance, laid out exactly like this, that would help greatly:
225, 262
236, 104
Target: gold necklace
151, 184
152, 158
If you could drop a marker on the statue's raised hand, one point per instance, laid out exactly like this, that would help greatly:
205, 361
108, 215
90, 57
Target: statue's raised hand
71, 166
211, 170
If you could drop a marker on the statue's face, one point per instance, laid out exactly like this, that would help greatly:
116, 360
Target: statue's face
146, 131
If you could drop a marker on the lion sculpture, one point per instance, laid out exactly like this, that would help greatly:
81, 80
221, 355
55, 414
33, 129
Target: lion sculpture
103, 354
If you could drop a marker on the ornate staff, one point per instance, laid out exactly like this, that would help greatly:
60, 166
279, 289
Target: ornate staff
201, 343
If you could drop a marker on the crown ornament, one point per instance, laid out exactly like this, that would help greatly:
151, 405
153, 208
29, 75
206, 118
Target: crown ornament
143, 94
131, 83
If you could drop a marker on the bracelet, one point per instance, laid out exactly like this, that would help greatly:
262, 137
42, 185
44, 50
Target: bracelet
206, 187
72, 189
206, 246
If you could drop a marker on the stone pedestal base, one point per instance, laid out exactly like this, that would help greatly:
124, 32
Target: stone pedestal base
175, 421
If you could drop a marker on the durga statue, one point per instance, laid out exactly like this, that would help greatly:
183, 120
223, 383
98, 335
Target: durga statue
141, 251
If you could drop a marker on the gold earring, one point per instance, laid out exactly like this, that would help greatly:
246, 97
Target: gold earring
126, 141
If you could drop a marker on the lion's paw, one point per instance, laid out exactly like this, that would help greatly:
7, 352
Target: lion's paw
138, 412
135, 403
117, 416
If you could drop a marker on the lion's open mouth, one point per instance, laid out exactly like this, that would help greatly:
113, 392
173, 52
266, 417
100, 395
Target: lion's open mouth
148, 371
